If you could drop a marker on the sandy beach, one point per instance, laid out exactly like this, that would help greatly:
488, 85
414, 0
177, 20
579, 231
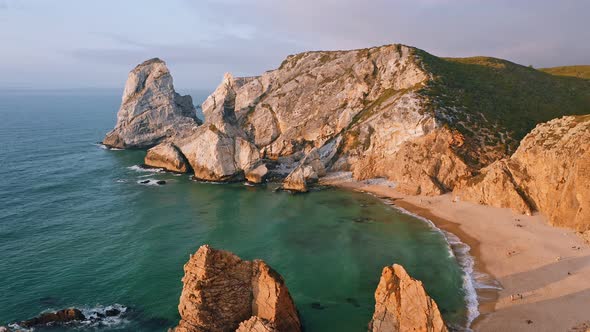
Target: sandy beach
543, 270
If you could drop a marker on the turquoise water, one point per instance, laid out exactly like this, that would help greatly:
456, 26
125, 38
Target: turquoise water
77, 229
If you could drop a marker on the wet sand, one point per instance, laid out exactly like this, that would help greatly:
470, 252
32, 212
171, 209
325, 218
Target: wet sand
543, 270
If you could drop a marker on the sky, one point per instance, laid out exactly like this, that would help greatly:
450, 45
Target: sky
53, 44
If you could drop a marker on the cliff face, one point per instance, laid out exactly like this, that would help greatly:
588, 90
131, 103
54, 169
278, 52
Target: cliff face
549, 172
151, 111
357, 108
402, 305
221, 291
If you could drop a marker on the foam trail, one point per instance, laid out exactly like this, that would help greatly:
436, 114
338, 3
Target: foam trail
141, 169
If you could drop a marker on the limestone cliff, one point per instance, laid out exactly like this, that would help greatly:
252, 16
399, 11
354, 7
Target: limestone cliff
221, 291
151, 111
549, 172
402, 305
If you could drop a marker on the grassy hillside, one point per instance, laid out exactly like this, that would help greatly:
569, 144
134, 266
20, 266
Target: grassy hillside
573, 71
495, 102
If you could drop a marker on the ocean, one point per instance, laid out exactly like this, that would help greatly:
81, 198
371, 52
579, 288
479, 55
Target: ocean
78, 229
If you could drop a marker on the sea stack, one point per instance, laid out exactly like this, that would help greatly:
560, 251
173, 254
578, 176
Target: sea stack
151, 111
402, 305
222, 292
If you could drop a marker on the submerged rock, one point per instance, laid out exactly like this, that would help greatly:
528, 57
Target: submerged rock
402, 305
168, 157
221, 291
151, 111
58, 317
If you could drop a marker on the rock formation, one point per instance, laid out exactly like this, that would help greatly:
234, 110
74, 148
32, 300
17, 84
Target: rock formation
309, 170
426, 123
256, 324
221, 291
151, 111
167, 156
218, 150
549, 172
58, 317
403, 305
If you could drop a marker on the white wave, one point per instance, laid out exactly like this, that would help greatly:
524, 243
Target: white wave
97, 316
472, 279
142, 169
104, 147
150, 182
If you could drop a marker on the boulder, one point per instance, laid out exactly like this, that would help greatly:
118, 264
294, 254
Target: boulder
151, 111
221, 291
309, 170
57, 317
257, 174
402, 305
167, 156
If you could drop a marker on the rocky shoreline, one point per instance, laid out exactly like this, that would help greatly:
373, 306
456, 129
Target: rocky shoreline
382, 112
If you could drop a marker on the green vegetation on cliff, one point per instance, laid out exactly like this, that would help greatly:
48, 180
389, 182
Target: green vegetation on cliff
498, 102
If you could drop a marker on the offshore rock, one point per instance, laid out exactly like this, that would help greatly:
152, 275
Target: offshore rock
58, 317
221, 291
168, 157
402, 305
151, 111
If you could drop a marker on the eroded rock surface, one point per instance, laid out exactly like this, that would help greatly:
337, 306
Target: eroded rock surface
57, 317
549, 172
402, 305
221, 291
168, 157
151, 111
256, 324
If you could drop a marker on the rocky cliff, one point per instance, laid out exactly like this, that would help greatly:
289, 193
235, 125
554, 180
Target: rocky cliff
402, 305
428, 124
221, 292
549, 172
151, 111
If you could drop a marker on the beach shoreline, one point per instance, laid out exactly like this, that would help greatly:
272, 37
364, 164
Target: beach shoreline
541, 268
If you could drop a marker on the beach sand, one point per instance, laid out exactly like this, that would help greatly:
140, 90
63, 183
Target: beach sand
549, 267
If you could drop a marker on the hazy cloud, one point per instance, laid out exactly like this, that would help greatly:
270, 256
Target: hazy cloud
202, 39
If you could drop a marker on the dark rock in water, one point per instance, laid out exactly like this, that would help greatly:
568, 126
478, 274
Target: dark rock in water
353, 301
161, 182
62, 316
362, 220
112, 312
317, 306
144, 181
